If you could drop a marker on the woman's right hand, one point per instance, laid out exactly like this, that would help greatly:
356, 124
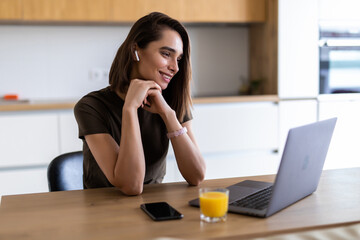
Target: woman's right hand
137, 93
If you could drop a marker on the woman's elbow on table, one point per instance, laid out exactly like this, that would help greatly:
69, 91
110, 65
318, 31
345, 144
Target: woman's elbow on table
131, 189
195, 181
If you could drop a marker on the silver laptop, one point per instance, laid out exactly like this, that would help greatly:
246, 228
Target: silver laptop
298, 175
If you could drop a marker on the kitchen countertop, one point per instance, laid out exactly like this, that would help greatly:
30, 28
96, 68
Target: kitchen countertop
24, 105
229, 99
339, 97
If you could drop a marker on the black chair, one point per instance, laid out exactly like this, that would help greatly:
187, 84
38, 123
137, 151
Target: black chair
65, 172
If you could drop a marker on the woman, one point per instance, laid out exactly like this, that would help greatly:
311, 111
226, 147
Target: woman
126, 127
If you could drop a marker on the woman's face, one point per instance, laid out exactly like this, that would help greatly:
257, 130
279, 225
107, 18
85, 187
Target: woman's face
159, 60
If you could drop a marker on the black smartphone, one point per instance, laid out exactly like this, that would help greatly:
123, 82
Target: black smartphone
160, 211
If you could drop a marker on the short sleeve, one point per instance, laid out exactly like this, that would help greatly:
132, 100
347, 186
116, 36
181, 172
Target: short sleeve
90, 116
188, 116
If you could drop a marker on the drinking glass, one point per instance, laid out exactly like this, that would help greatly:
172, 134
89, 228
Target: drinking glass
213, 204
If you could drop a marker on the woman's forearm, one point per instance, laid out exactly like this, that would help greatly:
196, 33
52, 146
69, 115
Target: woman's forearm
129, 171
189, 159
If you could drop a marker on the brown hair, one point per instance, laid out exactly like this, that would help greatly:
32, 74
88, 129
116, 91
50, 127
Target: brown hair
148, 29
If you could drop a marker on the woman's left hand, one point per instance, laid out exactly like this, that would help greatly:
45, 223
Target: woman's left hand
156, 103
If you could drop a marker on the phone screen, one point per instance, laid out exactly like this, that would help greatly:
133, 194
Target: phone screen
159, 211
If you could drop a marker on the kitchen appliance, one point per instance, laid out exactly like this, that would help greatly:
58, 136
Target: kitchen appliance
339, 59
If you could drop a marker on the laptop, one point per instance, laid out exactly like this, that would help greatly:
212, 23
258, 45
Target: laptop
298, 174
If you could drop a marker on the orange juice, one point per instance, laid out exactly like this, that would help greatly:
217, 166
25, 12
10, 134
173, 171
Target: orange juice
214, 204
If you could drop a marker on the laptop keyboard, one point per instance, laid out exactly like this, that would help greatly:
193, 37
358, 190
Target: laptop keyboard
258, 200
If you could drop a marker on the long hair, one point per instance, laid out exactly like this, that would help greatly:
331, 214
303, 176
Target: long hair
148, 29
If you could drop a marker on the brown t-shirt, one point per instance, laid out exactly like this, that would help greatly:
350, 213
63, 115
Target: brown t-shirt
101, 112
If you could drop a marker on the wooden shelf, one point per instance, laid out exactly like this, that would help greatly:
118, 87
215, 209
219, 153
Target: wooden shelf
66, 10
124, 11
10, 9
192, 11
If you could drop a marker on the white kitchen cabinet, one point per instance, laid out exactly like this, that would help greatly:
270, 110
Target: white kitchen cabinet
21, 181
241, 164
68, 130
236, 139
344, 148
294, 113
28, 138
298, 60
339, 12
172, 172
224, 127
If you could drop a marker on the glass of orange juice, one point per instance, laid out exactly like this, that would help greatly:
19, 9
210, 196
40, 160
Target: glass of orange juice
213, 204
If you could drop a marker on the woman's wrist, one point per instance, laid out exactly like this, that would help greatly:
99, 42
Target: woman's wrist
168, 115
171, 121
129, 110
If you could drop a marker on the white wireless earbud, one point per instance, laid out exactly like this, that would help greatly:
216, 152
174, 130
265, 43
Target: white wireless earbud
137, 56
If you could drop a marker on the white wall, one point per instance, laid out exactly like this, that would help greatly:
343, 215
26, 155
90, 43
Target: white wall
50, 62
220, 57
54, 62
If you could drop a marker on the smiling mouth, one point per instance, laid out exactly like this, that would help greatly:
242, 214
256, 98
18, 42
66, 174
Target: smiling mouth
166, 77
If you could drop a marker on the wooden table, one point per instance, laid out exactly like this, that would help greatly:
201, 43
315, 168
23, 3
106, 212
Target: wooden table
107, 214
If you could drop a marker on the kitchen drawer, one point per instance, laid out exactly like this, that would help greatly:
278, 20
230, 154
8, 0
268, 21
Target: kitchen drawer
28, 138
23, 181
236, 126
240, 164
230, 164
344, 149
172, 171
68, 130
235, 139
295, 113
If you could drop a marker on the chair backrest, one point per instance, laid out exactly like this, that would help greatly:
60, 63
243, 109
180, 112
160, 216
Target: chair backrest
65, 172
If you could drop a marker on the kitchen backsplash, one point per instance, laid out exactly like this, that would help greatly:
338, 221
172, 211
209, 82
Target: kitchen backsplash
64, 62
